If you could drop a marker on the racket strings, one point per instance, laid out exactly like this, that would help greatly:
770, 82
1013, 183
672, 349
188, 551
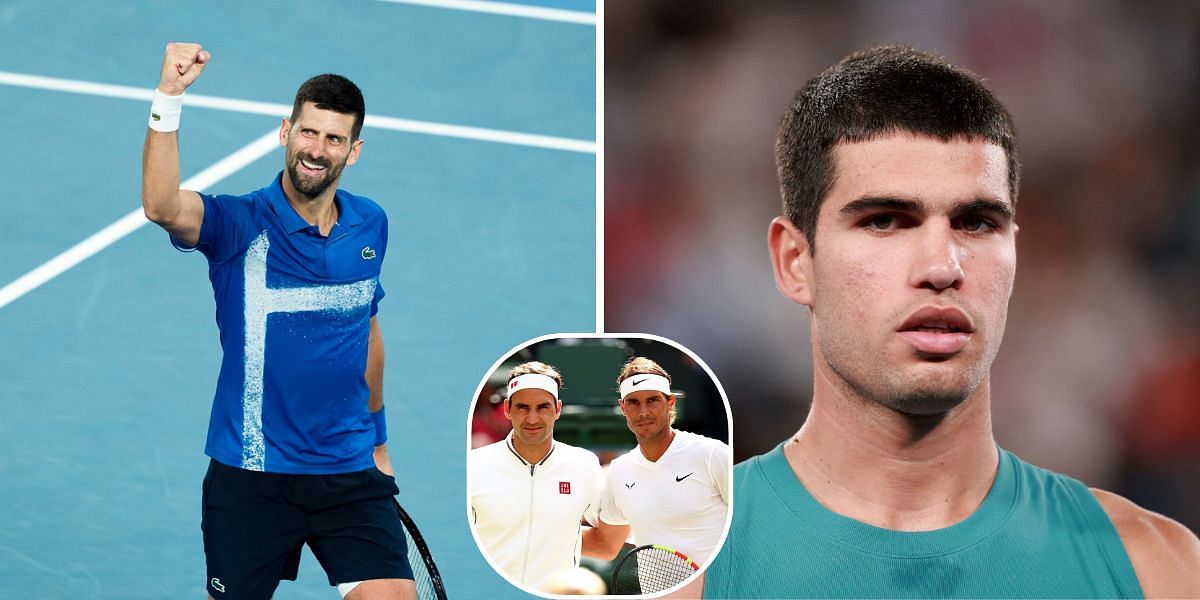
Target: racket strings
425, 574
654, 569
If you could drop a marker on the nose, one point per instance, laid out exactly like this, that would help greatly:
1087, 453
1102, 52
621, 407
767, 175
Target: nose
316, 149
937, 257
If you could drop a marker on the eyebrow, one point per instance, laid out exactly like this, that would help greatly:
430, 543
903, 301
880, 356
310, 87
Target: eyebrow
873, 203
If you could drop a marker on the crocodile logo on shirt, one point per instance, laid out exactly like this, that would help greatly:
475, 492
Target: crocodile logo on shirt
368, 253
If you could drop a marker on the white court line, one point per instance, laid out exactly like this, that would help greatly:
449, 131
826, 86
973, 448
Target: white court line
279, 110
132, 221
512, 10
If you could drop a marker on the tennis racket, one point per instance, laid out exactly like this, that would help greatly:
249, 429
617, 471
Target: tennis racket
651, 569
425, 573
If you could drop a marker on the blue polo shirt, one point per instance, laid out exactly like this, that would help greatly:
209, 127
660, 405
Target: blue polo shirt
293, 310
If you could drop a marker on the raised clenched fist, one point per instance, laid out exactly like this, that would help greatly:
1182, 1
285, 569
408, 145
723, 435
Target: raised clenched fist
182, 64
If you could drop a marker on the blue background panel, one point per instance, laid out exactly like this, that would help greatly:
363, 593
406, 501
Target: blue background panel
107, 371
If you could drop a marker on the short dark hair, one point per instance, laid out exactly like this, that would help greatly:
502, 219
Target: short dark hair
332, 92
875, 93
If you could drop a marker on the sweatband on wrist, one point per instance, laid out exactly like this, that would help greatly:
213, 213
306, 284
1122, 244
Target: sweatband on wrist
535, 381
380, 427
645, 381
164, 112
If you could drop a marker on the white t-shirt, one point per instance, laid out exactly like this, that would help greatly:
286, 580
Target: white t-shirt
680, 500
558, 492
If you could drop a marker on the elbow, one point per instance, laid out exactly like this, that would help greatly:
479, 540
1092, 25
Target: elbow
154, 212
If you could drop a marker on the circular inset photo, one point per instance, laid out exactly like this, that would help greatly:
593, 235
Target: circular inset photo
599, 464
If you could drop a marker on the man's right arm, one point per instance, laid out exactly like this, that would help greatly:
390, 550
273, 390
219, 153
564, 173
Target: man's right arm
180, 212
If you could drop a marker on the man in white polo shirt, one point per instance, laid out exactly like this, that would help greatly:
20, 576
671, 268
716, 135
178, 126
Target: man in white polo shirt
529, 494
673, 489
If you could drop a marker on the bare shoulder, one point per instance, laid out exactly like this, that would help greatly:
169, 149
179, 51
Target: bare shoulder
1164, 553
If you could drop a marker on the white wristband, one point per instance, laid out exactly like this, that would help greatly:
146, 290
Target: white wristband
164, 112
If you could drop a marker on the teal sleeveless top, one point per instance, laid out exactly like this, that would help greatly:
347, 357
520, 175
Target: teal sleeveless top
1036, 534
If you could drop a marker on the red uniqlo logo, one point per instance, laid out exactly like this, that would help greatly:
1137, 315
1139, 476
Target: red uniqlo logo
513, 384
564, 487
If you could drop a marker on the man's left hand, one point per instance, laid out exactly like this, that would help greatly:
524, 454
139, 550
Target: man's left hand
382, 461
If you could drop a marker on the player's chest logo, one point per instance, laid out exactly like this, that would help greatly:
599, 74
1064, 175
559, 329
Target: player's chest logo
564, 487
368, 253
679, 478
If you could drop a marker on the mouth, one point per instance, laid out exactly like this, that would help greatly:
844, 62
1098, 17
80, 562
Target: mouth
937, 330
312, 167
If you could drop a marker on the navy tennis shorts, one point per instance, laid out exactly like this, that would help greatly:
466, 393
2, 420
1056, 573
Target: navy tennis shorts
255, 525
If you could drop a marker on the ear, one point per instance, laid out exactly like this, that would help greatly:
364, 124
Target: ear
557, 409
791, 260
355, 150
505, 406
284, 129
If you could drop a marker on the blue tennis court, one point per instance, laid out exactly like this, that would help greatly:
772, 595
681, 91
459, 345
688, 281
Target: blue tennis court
480, 145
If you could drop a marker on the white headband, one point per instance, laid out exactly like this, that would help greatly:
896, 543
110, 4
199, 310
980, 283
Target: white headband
535, 381
646, 381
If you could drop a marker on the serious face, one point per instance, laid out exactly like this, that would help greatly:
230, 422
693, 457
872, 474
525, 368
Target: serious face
647, 413
913, 269
533, 413
318, 148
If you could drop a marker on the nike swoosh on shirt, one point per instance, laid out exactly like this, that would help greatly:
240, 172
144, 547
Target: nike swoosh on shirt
678, 479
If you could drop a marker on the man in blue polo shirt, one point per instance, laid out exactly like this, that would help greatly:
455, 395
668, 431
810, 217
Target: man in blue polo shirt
297, 433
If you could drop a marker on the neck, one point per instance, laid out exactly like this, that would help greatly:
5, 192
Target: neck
873, 464
320, 210
654, 447
532, 453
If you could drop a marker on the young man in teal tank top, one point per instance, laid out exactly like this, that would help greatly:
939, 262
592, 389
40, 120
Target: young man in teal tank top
899, 175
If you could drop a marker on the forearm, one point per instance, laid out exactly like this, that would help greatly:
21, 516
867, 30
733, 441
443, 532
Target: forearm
374, 373
160, 176
600, 542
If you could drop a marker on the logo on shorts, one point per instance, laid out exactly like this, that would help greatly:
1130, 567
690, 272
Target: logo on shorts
368, 253
564, 487
216, 584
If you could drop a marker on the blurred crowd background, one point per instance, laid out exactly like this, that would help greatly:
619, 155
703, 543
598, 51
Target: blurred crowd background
591, 417
1099, 374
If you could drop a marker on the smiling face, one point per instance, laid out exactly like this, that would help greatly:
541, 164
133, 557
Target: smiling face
909, 286
533, 413
319, 146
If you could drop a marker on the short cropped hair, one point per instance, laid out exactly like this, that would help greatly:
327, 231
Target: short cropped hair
876, 93
539, 368
332, 92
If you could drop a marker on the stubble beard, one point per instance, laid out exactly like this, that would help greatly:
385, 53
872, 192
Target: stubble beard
916, 393
311, 188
